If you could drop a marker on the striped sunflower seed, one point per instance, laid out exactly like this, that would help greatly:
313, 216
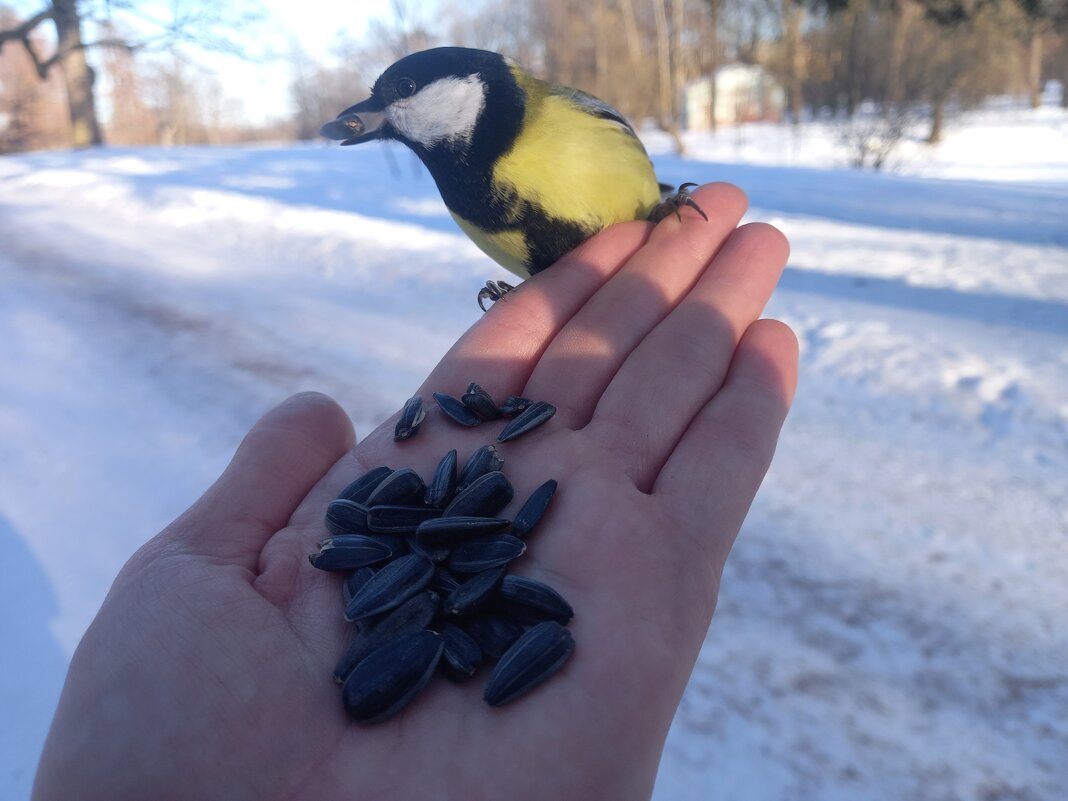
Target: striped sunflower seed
410, 617
441, 488
390, 587
398, 488
533, 509
388, 519
411, 418
514, 405
533, 416
530, 601
443, 582
484, 460
474, 593
493, 633
461, 656
479, 401
456, 411
352, 584
435, 553
346, 517
531, 660
387, 680
485, 554
451, 531
484, 497
362, 487
349, 551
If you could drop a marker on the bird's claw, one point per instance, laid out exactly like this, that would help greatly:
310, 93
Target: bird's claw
493, 291
674, 203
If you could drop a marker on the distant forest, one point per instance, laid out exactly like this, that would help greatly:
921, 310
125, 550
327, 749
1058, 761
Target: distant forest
895, 61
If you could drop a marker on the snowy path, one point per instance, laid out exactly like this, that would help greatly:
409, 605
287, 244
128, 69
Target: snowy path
891, 623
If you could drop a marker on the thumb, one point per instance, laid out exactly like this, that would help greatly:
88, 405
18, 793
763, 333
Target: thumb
287, 451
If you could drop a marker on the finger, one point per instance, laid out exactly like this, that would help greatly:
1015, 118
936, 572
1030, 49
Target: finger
501, 349
598, 339
672, 374
717, 466
287, 451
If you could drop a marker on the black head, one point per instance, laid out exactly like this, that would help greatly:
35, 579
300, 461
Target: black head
447, 102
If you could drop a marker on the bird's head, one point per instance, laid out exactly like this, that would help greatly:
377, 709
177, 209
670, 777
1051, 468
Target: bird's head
437, 100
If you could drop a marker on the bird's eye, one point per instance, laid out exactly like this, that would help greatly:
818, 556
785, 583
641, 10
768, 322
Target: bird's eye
405, 87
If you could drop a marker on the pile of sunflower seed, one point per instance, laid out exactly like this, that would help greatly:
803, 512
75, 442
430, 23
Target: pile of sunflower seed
427, 585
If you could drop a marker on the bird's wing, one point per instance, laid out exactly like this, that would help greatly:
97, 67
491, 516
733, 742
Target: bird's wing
595, 107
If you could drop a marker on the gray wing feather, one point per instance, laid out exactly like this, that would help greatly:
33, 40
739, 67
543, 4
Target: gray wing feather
595, 107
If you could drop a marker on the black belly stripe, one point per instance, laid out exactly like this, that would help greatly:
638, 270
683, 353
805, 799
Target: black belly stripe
548, 239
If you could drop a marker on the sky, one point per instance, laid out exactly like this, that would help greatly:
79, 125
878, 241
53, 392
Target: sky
261, 86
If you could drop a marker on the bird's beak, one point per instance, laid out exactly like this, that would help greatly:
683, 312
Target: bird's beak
360, 123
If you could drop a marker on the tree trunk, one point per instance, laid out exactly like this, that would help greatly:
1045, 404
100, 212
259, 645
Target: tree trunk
600, 49
713, 64
1064, 79
793, 17
78, 76
1034, 63
666, 106
938, 118
906, 14
857, 18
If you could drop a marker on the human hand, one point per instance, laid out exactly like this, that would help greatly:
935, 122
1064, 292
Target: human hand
207, 672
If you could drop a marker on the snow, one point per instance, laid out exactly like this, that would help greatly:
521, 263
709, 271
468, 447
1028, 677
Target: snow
891, 623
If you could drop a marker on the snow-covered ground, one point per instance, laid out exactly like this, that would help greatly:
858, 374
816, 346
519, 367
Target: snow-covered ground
892, 622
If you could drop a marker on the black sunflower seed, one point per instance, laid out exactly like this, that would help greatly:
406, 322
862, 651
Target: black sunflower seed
533, 416
450, 531
346, 517
349, 551
410, 617
532, 658
484, 460
530, 601
437, 553
361, 488
411, 418
514, 405
398, 519
485, 554
479, 401
461, 656
474, 593
353, 583
398, 545
400, 487
391, 676
443, 582
493, 633
456, 411
439, 491
533, 509
484, 497
390, 587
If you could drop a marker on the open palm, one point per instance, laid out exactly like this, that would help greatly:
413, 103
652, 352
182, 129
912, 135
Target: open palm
207, 673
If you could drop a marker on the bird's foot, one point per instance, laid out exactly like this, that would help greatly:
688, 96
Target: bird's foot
674, 203
493, 291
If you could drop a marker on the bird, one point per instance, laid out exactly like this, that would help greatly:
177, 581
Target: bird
528, 169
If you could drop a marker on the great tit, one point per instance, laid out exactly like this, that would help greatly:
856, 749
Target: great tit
528, 169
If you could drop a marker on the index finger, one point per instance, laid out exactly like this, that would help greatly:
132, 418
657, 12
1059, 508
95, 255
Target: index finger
501, 350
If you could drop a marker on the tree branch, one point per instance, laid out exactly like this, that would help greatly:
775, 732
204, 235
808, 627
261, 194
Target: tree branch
59, 55
22, 31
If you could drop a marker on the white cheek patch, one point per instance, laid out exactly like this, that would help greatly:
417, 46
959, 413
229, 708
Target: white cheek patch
445, 109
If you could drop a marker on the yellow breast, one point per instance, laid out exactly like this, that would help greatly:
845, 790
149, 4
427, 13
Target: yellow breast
577, 166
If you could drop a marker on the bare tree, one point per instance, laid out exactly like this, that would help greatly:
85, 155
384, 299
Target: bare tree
208, 25
29, 107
